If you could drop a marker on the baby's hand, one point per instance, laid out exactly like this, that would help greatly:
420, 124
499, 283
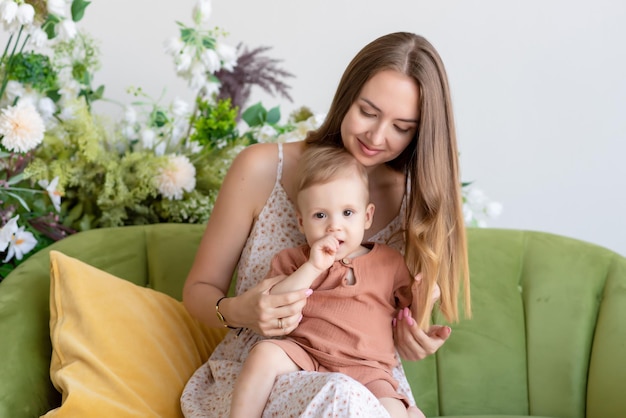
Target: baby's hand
323, 252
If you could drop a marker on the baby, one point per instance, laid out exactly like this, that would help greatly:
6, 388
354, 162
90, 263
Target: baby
356, 290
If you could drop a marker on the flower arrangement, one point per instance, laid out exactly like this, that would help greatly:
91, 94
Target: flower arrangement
65, 169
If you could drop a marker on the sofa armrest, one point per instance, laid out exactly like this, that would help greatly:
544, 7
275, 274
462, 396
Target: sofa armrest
25, 348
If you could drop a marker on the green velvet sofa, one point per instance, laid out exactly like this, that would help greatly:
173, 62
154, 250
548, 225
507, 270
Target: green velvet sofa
548, 335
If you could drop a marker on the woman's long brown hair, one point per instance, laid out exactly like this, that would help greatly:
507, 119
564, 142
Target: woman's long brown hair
435, 237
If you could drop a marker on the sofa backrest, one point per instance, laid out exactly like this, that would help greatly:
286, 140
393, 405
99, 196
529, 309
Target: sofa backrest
547, 336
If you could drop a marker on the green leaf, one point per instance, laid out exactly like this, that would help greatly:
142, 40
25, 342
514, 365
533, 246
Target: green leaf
49, 26
54, 95
15, 179
85, 223
255, 115
78, 9
208, 42
186, 34
99, 93
273, 116
74, 214
19, 199
80, 73
158, 118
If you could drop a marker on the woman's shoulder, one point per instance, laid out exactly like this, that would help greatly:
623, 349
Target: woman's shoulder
258, 156
257, 163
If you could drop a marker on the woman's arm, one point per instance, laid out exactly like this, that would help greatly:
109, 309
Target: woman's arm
243, 194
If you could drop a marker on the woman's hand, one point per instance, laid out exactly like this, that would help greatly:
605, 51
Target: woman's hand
412, 342
270, 315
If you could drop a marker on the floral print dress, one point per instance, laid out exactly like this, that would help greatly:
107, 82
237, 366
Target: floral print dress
298, 394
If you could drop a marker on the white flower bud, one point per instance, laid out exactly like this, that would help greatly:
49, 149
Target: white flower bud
183, 60
266, 134
211, 61
228, 55
66, 30
130, 115
173, 45
201, 11
25, 14
8, 11
180, 107
147, 138
46, 107
57, 7
38, 37
14, 90
128, 132
160, 149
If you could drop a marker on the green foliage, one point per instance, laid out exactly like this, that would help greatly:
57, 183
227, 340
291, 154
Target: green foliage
257, 115
78, 9
102, 187
214, 125
49, 26
34, 70
195, 208
159, 164
301, 114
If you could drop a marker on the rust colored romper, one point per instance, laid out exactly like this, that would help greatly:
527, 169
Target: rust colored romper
346, 327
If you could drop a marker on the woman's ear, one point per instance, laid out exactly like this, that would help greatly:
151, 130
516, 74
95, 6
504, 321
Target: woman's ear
369, 215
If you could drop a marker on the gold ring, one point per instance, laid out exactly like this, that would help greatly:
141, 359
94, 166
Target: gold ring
280, 323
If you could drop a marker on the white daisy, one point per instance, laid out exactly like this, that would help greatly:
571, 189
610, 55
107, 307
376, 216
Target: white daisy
178, 176
21, 126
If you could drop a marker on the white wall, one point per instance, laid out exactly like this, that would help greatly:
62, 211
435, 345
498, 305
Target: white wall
539, 86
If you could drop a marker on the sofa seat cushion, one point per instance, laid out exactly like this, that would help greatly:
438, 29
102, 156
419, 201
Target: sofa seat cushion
118, 348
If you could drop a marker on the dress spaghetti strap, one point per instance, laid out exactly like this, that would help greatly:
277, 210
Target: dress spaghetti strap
279, 171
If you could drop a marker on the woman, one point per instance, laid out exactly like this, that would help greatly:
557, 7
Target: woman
392, 112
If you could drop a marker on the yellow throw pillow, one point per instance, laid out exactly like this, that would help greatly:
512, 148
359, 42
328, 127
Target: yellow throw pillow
118, 349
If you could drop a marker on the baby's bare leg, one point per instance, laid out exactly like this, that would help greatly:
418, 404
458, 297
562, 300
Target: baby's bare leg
265, 362
415, 412
396, 409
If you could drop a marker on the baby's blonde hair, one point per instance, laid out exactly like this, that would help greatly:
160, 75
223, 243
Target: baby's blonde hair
322, 164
